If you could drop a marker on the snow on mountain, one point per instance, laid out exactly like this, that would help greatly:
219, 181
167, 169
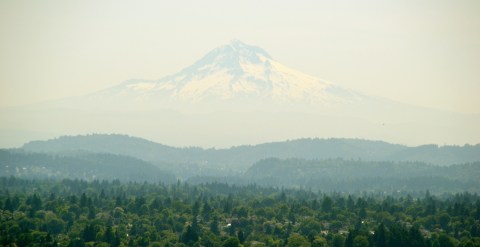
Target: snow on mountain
238, 93
237, 71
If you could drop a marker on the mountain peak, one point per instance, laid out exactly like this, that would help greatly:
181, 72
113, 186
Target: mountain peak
241, 48
232, 54
234, 42
240, 72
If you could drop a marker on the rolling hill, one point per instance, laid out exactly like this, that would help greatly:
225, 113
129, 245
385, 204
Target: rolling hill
240, 158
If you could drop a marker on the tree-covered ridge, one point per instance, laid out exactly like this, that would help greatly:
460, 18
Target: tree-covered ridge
326, 175
87, 166
102, 213
356, 175
241, 157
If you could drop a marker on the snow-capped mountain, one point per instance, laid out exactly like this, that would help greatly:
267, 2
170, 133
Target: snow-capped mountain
238, 94
232, 72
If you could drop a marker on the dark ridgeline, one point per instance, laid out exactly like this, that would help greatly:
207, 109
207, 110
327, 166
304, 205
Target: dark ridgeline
241, 157
320, 164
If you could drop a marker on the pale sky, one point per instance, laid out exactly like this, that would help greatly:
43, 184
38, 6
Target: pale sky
424, 53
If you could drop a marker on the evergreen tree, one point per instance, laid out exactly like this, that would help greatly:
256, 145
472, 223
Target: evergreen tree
190, 236
327, 204
380, 237
231, 242
89, 233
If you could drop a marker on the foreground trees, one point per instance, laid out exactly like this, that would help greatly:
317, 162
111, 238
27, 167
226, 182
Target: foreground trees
101, 213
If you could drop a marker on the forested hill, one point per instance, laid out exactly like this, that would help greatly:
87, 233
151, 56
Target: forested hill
85, 166
242, 157
113, 144
348, 175
325, 175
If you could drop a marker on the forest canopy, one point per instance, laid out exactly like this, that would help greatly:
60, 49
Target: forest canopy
114, 213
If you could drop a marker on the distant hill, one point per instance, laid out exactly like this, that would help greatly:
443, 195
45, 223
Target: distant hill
344, 175
113, 144
86, 166
325, 164
241, 157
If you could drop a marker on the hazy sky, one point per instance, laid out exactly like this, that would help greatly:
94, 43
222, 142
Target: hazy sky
421, 52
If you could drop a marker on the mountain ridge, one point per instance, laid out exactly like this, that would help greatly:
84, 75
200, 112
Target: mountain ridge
86, 166
350, 175
239, 158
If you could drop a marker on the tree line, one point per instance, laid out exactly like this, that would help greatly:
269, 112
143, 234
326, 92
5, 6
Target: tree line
115, 213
